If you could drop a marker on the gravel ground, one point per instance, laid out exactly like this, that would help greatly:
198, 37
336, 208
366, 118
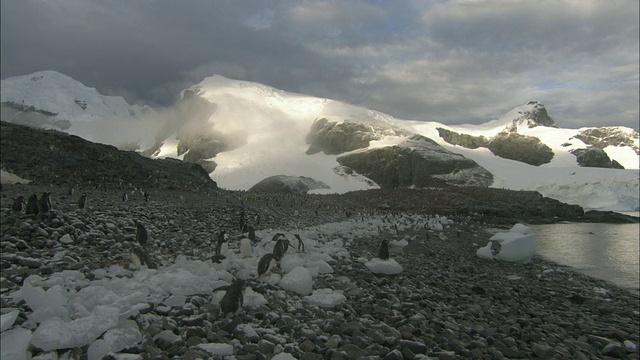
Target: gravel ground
446, 304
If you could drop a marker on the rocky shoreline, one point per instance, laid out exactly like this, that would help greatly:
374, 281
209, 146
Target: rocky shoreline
446, 304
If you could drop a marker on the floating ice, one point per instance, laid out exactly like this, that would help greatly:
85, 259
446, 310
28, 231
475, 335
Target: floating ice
298, 280
217, 349
387, 267
14, 344
325, 298
55, 333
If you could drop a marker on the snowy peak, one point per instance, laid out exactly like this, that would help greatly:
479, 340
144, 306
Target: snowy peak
53, 93
533, 114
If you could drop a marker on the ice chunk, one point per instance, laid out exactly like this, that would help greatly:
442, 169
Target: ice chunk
298, 280
7, 320
176, 300
217, 349
326, 298
518, 248
253, 299
485, 252
14, 344
126, 334
55, 333
521, 229
387, 267
319, 267
289, 262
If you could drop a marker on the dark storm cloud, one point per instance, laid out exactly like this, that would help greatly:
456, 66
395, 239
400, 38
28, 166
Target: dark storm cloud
450, 61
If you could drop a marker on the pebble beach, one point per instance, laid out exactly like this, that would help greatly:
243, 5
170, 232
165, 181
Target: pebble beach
447, 303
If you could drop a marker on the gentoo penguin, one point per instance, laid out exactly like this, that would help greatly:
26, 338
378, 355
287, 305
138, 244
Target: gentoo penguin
231, 302
277, 236
45, 202
32, 205
245, 248
281, 247
141, 233
383, 252
125, 197
251, 233
147, 196
222, 243
139, 258
82, 202
266, 264
18, 204
299, 245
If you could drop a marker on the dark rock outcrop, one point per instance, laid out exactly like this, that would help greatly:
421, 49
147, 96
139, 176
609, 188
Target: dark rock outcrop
53, 157
464, 140
538, 116
419, 162
288, 185
333, 138
526, 149
609, 136
595, 157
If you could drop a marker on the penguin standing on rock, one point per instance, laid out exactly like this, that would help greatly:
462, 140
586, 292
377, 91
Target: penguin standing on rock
45, 202
267, 263
231, 302
125, 197
33, 208
298, 243
281, 247
245, 248
383, 252
139, 258
222, 243
141, 234
18, 204
82, 202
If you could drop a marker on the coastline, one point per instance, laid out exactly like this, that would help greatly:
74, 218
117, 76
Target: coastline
447, 303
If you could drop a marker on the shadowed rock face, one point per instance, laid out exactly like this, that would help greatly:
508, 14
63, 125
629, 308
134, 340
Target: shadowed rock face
333, 138
52, 157
464, 140
288, 185
419, 162
527, 149
538, 116
594, 157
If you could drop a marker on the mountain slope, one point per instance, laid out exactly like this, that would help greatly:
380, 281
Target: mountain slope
243, 132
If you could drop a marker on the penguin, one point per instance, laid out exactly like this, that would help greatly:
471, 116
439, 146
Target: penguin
18, 204
82, 202
256, 219
266, 264
231, 302
125, 197
141, 233
45, 202
241, 220
32, 205
139, 258
147, 196
383, 252
245, 248
299, 244
72, 190
281, 247
222, 243
277, 236
251, 234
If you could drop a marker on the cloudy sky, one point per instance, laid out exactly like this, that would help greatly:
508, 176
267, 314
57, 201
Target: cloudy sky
460, 61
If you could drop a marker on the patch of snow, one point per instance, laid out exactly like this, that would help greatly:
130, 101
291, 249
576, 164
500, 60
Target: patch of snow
326, 298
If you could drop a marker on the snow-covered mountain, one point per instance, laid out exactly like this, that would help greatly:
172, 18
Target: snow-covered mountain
243, 132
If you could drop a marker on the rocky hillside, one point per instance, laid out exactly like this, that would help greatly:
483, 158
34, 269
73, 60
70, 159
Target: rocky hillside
53, 157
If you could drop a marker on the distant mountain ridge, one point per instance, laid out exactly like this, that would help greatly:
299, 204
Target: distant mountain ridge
243, 132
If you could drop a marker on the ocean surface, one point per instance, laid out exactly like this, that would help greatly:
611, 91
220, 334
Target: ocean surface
604, 251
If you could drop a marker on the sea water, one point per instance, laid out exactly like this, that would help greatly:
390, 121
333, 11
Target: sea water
604, 251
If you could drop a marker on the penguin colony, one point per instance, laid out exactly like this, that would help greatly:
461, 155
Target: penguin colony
231, 303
